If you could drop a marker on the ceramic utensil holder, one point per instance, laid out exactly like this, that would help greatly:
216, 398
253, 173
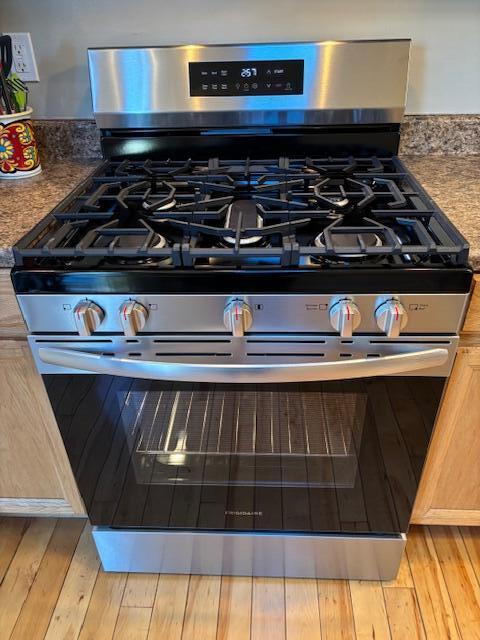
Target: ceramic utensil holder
18, 147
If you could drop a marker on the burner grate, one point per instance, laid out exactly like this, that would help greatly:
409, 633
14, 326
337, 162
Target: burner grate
281, 206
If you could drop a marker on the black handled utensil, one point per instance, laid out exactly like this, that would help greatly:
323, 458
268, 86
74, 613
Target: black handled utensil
5, 92
6, 54
6, 60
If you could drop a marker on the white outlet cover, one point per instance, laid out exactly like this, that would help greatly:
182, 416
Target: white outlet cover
24, 63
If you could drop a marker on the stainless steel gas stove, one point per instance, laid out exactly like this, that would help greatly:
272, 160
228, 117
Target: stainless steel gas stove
246, 316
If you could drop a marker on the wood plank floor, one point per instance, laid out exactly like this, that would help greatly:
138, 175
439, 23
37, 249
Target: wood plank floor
52, 587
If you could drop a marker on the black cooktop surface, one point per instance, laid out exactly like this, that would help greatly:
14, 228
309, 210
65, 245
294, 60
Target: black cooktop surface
295, 213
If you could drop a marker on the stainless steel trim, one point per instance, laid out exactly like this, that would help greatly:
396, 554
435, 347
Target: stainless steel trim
244, 373
427, 313
222, 349
251, 554
232, 119
345, 82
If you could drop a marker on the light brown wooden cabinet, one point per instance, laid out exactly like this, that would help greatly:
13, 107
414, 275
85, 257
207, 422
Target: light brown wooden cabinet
449, 491
450, 486
11, 321
35, 475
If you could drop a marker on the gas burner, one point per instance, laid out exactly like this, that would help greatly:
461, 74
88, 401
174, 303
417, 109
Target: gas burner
159, 207
158, 204
359, 239
243, 214
342, 201
153, 196
128, 239
132, 242
138, 262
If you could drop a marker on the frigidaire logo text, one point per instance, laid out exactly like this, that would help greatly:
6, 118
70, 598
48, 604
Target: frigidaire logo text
243, 513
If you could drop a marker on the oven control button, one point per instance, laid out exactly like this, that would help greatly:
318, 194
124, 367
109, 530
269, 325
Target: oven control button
88, 317
237, 317
133, 317
345, 317
391, 317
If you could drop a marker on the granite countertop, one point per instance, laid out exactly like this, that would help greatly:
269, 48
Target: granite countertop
25, 202
453, 182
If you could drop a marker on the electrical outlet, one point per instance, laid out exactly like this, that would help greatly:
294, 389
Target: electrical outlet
24, 63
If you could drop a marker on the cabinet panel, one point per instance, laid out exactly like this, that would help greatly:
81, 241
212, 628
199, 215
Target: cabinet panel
11, 321
35, 476
472, 320
450, 486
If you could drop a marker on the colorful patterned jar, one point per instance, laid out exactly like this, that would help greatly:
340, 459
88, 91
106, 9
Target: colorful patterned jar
18, 147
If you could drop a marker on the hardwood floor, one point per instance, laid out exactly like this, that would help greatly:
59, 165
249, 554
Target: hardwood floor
51, 586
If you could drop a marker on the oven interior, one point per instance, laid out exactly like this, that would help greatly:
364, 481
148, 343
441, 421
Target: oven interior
175, 434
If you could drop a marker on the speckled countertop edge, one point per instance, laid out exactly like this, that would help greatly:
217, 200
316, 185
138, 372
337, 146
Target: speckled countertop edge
452, 181
25, 202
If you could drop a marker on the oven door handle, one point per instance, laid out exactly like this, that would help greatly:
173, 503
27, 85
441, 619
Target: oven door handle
241, 373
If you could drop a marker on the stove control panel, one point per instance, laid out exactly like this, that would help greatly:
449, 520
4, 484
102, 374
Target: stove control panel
88, 317
133, 317
391, 317
344, 316
246, 77
346, 313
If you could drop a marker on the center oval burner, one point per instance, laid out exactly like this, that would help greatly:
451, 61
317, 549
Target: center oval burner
243, 214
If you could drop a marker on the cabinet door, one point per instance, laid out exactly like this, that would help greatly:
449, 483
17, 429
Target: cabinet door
449, 490
35, 476
11, 321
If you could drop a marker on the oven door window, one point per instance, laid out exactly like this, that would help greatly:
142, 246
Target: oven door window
328, 457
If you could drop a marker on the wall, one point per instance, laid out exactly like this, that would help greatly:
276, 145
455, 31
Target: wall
445, 63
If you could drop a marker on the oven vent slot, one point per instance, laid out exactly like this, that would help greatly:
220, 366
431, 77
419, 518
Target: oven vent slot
189, 354
287, 354
194, 341
80, 343
419, 344
253, 341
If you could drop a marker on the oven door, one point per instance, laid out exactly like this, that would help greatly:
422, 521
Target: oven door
306, 443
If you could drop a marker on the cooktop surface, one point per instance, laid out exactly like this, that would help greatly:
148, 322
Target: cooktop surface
216, 213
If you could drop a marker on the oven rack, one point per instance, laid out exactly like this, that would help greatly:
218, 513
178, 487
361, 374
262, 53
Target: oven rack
250, 422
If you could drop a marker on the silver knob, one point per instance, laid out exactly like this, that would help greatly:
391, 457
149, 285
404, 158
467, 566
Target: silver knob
345, 317
391, 317
88, 317
237, 317
133, 317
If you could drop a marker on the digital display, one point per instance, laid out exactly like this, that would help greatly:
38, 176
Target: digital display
260, 77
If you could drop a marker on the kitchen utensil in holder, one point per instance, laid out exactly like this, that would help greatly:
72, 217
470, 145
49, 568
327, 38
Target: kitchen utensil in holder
18, 147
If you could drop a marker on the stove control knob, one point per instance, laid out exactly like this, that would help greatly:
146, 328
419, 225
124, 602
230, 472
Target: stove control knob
237, 317
391, 317
345, 317
88, 317
133, 317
